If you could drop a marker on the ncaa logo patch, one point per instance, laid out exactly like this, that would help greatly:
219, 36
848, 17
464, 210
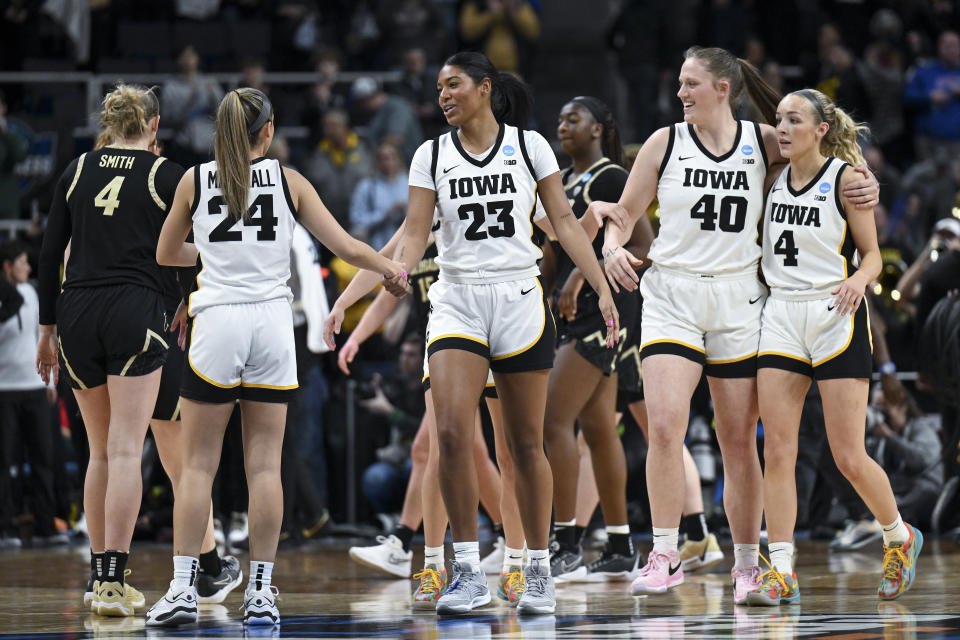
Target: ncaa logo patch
746, 150
824, 187
508, 150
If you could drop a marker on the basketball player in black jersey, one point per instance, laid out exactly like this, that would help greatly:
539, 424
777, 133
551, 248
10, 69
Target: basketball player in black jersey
106, 330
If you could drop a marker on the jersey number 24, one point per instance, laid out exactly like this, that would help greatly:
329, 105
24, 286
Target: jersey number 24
224, 232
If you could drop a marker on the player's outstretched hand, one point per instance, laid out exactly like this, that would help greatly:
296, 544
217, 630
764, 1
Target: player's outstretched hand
621, 268
613, 211
347, 353
332, 325
396, 284
610, 316
179, 325
48, 365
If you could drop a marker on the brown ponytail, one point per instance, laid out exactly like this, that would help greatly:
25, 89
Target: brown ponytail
841, 138
741, 75
239, 110
127, 112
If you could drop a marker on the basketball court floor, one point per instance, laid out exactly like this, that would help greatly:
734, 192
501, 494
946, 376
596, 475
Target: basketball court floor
325, 595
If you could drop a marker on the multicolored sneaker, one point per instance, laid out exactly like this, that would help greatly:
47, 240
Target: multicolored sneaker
899, 565
510, 586
745, 581
700, 554
661, 572
775, 589
433, 580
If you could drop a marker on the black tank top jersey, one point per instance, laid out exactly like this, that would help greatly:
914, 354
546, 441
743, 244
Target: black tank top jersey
110, 204
422, 276
603, 181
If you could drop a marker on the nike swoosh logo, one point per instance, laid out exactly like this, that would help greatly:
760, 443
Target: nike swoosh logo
396, 559
755, 299
436, 226
523, 293
831, 307
777, 189
673, 570
445, 171
681, 158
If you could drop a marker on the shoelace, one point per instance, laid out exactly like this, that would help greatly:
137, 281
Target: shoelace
771, 578
654, 560
891, 556
535, 582
430, 581
515, 581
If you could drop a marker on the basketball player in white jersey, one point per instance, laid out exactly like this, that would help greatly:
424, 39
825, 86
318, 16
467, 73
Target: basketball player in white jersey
488, 308
815, 326
702, 297
242, 209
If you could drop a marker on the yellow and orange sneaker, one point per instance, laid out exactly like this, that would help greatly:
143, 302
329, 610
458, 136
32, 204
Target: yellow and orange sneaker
775, 588
433, 580
899, 565
510, 586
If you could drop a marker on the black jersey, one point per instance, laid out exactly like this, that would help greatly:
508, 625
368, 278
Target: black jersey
421, 277
110, 204
603, 181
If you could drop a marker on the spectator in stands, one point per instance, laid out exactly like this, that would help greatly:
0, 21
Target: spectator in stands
26, 428
251, 75
322, 96
929, 188
13, 149
418, 86
933, 92
411, 23
883, 74
391, 118
338, 163
189, 105
379, 202
906, 443
505, 30
936, 272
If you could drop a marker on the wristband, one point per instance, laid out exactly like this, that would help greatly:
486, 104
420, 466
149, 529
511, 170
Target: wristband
887, 368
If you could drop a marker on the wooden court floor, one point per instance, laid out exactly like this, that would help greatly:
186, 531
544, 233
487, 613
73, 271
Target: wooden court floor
325, 595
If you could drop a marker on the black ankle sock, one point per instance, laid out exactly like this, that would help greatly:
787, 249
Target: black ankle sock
96, 565
695, 526
581, 531
114, 564
210, 563
566, 537
620, 543
405, 534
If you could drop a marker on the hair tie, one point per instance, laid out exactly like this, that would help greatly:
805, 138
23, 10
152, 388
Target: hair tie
596, 107
809, 95
265, 110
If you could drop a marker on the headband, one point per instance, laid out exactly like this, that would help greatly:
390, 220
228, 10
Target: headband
265, 110
806, 93
595, 106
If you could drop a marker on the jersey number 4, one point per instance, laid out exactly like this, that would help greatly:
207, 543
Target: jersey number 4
786, 247
733, 213
109, 197
501, 209
224, 232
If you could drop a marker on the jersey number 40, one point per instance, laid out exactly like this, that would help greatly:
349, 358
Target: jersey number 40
224, 232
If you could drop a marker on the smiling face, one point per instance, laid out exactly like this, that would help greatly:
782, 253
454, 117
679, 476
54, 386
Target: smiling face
700, 92
577, 129
460, 97
799, 129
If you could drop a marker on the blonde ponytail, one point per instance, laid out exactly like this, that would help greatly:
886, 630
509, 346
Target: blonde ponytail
239, 111
841, 138
127, 112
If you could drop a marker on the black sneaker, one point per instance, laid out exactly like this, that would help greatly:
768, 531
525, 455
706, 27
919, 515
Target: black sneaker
612, 566
566, 563
214, 589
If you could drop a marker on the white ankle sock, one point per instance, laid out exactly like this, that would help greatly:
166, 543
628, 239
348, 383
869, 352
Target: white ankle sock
468, 555
781, 555
746, 556
260, 574
512, 558
665, 540
433, 556
185, 570
896, 532
538, 558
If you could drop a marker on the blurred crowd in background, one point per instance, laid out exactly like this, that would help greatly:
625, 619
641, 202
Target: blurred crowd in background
353, 85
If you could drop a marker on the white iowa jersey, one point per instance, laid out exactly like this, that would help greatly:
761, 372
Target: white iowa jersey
807, 247
485, 205
243, 261
710, 205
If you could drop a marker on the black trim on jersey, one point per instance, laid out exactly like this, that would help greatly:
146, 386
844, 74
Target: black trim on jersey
196, 191
763, 147
471, 159
836, 191
666, 156
460, 344
526, 156
736, 143
287, 196
772, 361
813, 181
434, 155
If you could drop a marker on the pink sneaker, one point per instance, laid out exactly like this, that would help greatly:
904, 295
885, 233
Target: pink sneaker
745, 581
661, 572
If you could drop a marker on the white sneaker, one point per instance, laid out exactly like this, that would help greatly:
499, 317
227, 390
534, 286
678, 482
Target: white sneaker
178, 606
492, 563
239, 531
387, 556
857, 534
260, 606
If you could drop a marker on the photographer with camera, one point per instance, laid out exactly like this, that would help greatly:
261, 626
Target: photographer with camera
936, 272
